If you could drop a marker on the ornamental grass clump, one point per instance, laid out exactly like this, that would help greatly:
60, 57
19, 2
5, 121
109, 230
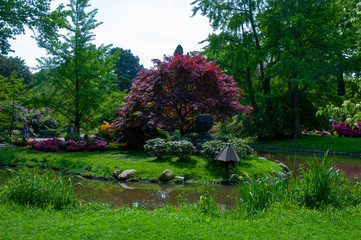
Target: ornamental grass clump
157, 147
321, 184
256, 196
29, 187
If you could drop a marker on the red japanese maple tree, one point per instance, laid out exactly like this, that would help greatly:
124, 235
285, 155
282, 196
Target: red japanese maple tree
171, 94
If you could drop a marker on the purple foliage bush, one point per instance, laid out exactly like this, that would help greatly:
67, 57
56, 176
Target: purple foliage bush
55, 144
344, 129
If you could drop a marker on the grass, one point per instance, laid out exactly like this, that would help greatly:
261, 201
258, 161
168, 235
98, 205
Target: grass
104, 163
101, 222
321, 143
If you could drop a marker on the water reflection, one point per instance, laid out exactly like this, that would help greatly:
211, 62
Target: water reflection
150, 196
351, 166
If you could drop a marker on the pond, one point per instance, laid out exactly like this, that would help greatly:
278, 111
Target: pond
153, 196
351, 166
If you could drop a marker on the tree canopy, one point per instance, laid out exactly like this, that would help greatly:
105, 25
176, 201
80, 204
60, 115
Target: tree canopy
126, 67
15, 15
80, 70
170, 95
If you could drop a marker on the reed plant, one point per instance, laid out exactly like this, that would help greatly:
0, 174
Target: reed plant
256, 196
207, 203
45, 189
321, 183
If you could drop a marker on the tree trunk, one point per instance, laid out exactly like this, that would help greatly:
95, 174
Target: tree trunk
293, 93
341, 91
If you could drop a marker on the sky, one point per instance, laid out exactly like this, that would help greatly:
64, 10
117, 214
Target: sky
149, 28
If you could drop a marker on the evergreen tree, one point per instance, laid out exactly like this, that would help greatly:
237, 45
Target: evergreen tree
126, 67
179, 50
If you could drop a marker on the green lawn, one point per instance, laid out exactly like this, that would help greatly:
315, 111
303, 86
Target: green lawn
321, 143
101, 222
104, 163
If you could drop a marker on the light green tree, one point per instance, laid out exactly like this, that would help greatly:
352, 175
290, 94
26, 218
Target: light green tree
80, 71
10, 91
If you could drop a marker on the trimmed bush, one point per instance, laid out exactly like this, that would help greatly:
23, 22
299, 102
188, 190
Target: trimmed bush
156, 147
182, 149
241, 147
211, 149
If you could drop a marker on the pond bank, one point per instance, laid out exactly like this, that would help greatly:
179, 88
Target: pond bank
280, 149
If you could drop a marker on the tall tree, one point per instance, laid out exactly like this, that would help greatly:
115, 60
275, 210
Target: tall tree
297, 33
79, 68
10, 64
179, 50
126, 67
10, 90
238, 48
16, 14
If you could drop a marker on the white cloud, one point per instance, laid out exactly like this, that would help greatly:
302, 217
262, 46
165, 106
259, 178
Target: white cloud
149, 28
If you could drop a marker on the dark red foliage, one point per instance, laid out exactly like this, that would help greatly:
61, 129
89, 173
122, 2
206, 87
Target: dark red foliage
176, 90
344, 129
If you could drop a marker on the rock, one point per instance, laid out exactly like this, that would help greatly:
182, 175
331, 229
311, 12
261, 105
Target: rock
166, 175
277, 161
116, 173
281, 175
126, 174
125, 186
178, 180
263, 158
284, 167
132, 180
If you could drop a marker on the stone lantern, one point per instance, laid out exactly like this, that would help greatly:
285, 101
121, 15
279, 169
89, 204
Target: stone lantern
228, 158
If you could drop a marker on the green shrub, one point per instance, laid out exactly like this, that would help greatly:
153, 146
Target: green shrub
321, 184
6, 155
241, 147
28, 187
182, 149
74, 137
211, 149
156, 147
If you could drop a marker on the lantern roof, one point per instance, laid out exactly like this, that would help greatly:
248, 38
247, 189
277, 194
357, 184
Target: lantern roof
228, 154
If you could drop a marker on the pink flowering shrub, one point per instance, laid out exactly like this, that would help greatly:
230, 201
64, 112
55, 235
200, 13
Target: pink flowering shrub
99, 145
75, 146
49, 145
55, 144
344, 129
316, 132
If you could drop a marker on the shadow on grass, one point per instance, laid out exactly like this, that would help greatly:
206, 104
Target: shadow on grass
187, 164
215, 170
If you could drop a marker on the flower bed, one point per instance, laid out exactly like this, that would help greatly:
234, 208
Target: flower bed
55, 144
347, 130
